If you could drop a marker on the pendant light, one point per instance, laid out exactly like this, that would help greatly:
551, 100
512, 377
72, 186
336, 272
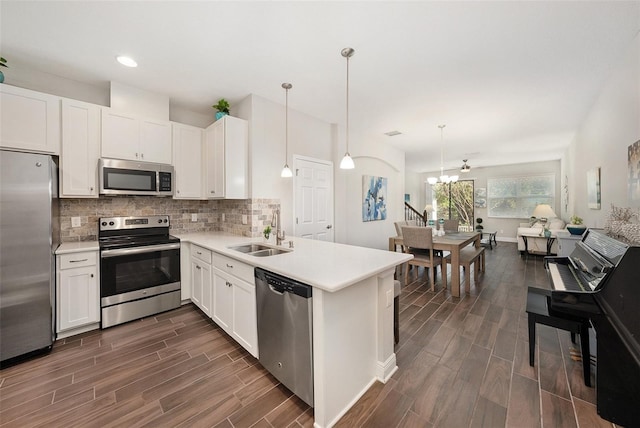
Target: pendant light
465, 167
443, 177
286, 171
347, 161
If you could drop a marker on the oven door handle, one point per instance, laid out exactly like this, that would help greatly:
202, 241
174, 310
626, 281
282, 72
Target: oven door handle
138, 250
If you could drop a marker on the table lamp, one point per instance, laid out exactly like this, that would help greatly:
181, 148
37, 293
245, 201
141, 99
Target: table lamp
427, 209
543, 212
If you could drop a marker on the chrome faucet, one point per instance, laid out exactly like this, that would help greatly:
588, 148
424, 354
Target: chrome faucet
275, 223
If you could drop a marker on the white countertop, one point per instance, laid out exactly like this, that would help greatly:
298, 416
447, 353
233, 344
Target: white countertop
77, 247
325, 265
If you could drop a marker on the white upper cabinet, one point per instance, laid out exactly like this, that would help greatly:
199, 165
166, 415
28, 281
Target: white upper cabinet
187, 161
226, 159
80, 149
29, 120
129, 137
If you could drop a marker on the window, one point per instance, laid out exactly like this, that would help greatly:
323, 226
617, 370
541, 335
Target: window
516, 197
454, 201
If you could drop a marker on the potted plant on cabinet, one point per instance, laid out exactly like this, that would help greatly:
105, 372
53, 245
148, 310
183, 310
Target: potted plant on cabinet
576, 227
222, 107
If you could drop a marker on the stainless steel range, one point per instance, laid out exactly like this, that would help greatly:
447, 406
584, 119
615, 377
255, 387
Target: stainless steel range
139, 268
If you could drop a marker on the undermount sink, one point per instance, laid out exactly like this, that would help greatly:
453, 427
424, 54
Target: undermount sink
259, 250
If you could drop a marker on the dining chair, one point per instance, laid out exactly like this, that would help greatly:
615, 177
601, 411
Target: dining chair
451, 225
418, 241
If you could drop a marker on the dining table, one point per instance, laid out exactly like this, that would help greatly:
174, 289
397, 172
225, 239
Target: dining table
452, 242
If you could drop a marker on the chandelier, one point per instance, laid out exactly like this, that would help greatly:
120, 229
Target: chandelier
443, 177
465, 167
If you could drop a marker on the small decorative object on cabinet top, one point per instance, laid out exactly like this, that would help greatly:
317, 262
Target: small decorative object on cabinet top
222, 107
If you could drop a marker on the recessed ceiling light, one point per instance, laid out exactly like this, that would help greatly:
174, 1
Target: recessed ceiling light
126, 61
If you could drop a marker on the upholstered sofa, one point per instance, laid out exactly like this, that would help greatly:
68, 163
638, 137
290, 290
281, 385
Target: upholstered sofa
538, 243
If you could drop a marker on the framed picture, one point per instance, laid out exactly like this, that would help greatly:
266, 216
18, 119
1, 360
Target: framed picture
374, 198
407, 197
593, 188
633, 183
480, 197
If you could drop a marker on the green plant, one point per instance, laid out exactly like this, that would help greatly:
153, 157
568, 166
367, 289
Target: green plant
575, 220
3, 62
266, 232
222, 106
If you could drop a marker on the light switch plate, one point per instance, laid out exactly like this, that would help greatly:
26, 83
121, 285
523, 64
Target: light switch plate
194, 217
244, 219
75, 222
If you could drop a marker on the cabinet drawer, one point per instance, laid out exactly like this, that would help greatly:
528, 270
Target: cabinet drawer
201, 254
75, 260
234, 267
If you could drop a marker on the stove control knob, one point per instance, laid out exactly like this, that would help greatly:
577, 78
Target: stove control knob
104, 223
159, 220
166, 221
111, 223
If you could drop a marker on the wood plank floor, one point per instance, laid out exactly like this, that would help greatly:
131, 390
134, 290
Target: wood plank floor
463, 362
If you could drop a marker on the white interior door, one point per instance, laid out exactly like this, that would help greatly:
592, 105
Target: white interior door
313, 184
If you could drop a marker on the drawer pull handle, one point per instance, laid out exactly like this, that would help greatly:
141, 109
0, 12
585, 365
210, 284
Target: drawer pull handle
198, 267
229, 266
198, 252
91, 275
78, 261
228, 284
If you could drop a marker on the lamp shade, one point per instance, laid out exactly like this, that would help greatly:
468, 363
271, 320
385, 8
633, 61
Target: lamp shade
428, 208
543, 211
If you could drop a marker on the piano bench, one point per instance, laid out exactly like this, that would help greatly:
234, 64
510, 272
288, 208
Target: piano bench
538, 312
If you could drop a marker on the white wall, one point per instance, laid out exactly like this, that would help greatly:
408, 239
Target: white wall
372, 156
308, 136
506, 227
612, 124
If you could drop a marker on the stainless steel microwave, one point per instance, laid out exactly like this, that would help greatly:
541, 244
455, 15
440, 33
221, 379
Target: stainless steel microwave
123, 177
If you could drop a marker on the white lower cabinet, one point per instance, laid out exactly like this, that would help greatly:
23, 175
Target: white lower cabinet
234, 301
201, 280
77, 293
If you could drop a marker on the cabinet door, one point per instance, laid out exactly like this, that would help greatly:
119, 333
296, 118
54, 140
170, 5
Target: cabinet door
222, 300
196, 283
245, 327
236, 183
79, 298
207, 289
120, 135
187, 161
29, 121
214, 160
80, 149
155, 141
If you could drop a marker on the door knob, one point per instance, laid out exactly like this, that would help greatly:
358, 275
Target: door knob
329, 226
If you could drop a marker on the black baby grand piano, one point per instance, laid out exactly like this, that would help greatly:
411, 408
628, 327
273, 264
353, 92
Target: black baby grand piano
600, 281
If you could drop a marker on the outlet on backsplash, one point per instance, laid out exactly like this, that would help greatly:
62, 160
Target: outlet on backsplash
222, 216
75, 222
194, 217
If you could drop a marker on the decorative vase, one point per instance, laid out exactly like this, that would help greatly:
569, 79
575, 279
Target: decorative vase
220, 115
576, 229
547, 233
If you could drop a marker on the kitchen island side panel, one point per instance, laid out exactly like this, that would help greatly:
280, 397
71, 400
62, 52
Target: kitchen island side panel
345, 340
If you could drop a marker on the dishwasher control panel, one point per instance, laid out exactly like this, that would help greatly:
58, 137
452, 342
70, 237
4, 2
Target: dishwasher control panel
282, 285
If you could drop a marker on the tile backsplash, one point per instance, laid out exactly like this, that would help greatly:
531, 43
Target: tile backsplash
209, 214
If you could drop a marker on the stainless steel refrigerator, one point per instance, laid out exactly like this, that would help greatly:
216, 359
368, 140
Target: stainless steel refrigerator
29, 235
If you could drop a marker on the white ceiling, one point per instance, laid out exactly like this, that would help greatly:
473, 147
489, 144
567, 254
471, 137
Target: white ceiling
511, 80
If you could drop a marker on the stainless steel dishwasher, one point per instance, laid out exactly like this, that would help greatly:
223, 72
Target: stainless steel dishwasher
285, 336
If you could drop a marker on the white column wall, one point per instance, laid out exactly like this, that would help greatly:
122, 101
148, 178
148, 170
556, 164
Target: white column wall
612, 124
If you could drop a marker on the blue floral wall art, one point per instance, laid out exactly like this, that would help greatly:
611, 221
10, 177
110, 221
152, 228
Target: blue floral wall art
374, 198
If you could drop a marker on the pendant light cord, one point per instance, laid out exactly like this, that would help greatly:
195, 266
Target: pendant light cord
347, 105
286, 126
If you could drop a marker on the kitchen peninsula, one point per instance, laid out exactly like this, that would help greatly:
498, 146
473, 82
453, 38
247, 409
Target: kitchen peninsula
352, 310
